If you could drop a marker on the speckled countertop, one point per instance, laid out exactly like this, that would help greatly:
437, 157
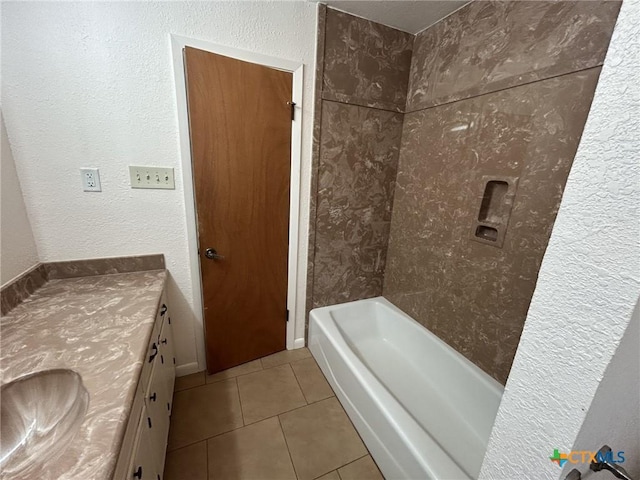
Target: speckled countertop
98, 326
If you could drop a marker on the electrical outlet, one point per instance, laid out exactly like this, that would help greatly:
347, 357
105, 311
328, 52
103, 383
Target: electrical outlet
90, 179
151, 177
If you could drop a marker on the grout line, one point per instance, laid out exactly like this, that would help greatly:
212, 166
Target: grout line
235, 376
195, 386
240, 401
477, 95
352, 104
327, 473
298, 382
287, 445
206, 439
262, 369
207, 456
352, 461
289, 411
184, 446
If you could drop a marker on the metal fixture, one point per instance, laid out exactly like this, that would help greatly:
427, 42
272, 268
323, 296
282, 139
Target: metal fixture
602, 461
293, 110
155, 352
573, 475
211, 254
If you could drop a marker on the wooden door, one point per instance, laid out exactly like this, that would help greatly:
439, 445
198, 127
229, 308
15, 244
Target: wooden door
240, 126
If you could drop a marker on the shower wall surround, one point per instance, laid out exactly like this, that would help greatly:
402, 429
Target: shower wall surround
497, 90
364, 71
541, 60
473, 295
488, 46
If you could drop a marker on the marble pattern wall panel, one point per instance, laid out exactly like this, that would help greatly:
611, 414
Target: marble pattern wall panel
472, 295
358, 162
365, 63
490, 45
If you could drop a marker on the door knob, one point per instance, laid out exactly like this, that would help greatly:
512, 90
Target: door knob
211, 254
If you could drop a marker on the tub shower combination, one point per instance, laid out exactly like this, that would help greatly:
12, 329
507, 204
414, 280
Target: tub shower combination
423, 410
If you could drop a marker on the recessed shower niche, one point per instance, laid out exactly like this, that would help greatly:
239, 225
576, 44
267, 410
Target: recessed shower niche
496, 202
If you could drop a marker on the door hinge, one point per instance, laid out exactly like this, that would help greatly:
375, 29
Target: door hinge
287, 315
293, 110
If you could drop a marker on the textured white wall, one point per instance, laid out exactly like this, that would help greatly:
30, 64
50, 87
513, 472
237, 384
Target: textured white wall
589, 280
17, 245
614, 416
91, 84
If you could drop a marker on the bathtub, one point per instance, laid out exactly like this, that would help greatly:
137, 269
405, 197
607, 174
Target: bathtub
423, 410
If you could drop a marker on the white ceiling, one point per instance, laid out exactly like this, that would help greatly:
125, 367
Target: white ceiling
409, 16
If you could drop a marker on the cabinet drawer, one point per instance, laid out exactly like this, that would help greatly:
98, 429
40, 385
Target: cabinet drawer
128, 443
153, 350
143, 465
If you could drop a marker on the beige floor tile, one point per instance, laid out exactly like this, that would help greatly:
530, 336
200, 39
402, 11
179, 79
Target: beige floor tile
269, 392
321, 438
203, 412
243, 369
188, 462
286, 356
254, 452
363, 469
189, 381
311, 379
330, 476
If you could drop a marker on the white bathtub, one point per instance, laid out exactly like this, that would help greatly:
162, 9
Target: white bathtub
423, 410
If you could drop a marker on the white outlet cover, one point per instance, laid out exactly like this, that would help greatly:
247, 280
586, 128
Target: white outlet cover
90, 179
152, 177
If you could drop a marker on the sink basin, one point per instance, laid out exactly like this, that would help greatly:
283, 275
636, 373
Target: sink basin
40, 414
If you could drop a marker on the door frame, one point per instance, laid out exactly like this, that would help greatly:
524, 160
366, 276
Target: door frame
178, 43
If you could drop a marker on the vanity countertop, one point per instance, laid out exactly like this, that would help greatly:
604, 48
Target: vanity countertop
99, 326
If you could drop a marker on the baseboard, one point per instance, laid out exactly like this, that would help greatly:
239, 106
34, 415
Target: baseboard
193, 367
187, 369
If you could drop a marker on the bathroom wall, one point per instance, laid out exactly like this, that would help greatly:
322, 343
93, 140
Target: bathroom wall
364, 68
582, 309
19, 251
497, 89
614, 415
93, 86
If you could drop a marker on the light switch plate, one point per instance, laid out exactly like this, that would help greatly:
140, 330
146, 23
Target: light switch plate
152, 177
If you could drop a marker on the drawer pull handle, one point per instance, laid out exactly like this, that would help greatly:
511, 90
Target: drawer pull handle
164, 342
153, 397
163, 310
154, 347
138, 472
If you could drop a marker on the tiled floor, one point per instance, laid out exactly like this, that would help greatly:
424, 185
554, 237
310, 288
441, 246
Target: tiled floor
271, 419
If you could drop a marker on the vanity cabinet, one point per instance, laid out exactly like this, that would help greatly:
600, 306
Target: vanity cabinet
145, 441
143, 464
